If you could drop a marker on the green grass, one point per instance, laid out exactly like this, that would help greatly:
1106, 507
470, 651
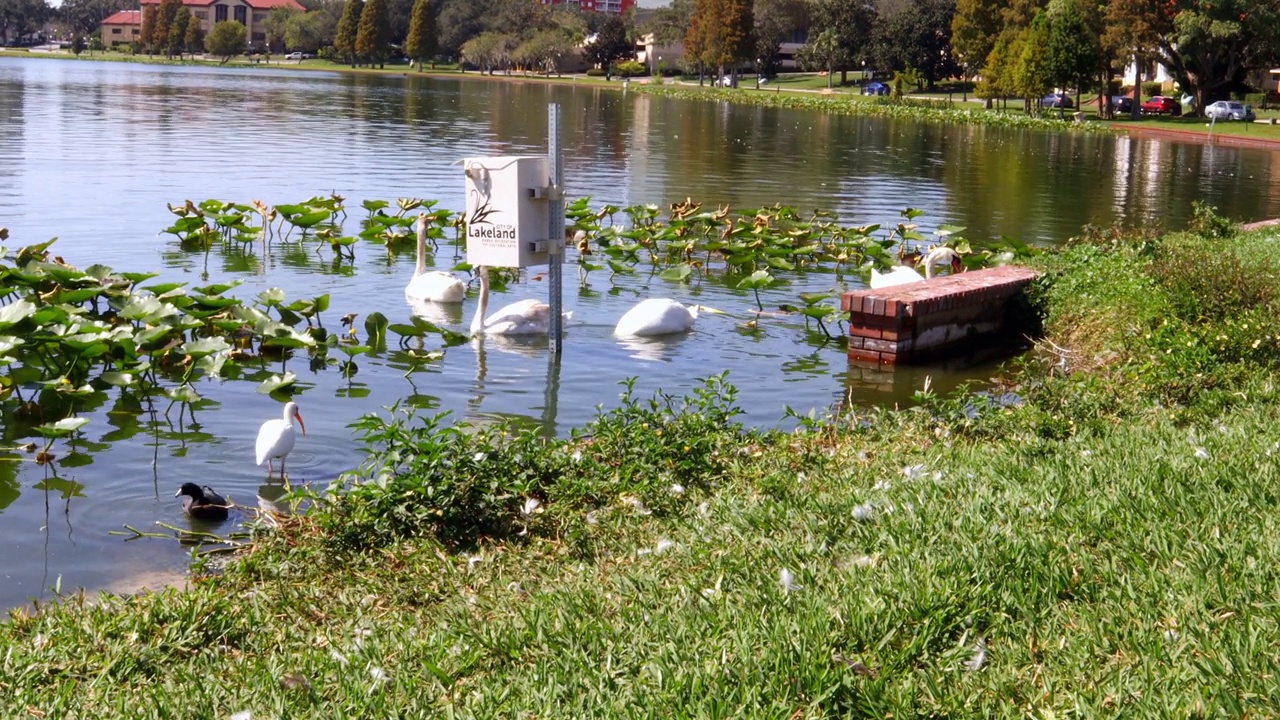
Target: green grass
1106, 548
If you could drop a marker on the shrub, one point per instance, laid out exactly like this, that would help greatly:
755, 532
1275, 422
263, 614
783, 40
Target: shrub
1151, 88
461, 483
595, 72
630, 68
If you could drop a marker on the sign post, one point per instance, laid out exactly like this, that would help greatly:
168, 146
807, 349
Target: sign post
555, 225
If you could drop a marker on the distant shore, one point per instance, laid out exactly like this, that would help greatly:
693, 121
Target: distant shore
921, 107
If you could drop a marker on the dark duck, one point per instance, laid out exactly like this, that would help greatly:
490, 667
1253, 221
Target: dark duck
202, 503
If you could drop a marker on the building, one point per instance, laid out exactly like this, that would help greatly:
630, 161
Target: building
250, 13
124, 27
609, 6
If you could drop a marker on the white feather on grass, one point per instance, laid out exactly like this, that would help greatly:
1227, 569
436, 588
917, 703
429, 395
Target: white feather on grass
788, 581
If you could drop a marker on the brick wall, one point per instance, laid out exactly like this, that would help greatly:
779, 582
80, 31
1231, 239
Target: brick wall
917, 321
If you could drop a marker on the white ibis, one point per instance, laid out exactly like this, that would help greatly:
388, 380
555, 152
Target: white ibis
656, 316
526, 317
434, 286
276, 437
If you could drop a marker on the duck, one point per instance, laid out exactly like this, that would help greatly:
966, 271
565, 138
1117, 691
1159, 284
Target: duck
434, 286
277, 437
902, 274
656, 316
202, 503
525, 317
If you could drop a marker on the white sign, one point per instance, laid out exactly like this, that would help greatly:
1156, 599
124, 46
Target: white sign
507, 210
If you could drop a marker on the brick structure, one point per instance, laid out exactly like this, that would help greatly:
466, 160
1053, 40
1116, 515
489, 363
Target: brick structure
919, 321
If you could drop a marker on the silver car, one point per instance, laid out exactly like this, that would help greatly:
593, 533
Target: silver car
1229, 110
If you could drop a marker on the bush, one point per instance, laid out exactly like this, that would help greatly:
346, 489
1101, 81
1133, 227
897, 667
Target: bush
1151, 88
595, 72
462, 483
630, 68
1255, 99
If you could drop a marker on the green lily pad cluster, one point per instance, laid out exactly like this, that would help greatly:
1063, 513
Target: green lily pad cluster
68, 336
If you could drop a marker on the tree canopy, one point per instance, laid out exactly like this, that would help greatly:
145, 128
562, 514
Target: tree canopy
422, 42
226, 40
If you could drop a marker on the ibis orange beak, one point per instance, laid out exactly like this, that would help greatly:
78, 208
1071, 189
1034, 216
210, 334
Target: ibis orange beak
298, 416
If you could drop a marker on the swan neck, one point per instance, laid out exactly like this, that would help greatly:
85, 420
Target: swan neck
477, 322
421, 266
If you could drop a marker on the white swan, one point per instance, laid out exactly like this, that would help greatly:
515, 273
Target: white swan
434, 286
656, 316
526, 317
902, 274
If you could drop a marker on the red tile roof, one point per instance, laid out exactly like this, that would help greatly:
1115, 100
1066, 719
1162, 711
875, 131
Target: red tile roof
255, 4
124, 17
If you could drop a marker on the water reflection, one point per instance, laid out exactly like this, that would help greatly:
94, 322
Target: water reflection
655, 349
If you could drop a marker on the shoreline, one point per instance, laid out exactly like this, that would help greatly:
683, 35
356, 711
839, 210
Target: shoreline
926, 109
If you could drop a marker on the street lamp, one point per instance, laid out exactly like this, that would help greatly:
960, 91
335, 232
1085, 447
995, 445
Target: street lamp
758, 65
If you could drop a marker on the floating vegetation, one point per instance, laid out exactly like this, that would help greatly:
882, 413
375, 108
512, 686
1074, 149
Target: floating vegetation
68, 334
940, 111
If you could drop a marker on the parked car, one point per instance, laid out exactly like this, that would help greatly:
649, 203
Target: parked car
875, 88
1057, 100
1160, 105
1229, 110
1122, 105
293, 56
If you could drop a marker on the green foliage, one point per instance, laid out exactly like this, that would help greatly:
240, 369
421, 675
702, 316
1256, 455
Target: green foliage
422, 42
166, 16
611, 43
630, 68
178, 32
344, 40
193, 39
720, 32
373, 35
463, 483
275, 27
226, 40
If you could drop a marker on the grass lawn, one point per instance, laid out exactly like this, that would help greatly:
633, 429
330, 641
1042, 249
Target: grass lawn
1199, 125
1103, 543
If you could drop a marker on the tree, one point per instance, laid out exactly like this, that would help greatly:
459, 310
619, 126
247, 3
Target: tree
308, 32
610, 44
344, 40
1031, 77
22, 17
775, 22
372, 41
164, 21
974, 30
670, 24
488, 51
1074, 54
460, 21
276, 25
77, 44
148, 34
852, 22
177, 32
823, 52
226, 40
194, 38
422, 43
543, 50
84, 16
721, 32
918, 37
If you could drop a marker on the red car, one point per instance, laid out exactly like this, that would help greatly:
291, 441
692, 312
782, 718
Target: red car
1160, 105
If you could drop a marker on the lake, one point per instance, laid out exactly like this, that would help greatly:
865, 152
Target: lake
92, 153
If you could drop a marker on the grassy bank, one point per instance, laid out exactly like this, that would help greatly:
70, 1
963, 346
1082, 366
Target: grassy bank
1098, 539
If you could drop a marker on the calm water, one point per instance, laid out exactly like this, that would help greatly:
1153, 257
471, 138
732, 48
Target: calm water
92, 152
